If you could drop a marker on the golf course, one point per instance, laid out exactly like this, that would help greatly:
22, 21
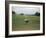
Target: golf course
18, 23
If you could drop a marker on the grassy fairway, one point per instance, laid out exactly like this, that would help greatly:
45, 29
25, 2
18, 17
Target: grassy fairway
19, 24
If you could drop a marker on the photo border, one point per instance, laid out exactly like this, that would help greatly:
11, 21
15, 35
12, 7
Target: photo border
7, 18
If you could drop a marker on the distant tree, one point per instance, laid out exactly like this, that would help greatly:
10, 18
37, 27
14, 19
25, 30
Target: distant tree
37, 14
22, 14
13, 12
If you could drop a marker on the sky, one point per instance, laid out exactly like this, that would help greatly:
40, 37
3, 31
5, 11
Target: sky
25, 10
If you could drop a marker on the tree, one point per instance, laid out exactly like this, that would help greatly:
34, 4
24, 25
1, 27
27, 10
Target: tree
13, 12
22, 14
37, 14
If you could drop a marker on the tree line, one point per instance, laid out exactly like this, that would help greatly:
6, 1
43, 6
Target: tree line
36, 14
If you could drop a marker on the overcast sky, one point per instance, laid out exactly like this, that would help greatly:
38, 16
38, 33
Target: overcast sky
25, 10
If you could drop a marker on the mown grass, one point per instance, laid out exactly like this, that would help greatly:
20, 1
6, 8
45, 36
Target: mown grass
19, 24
